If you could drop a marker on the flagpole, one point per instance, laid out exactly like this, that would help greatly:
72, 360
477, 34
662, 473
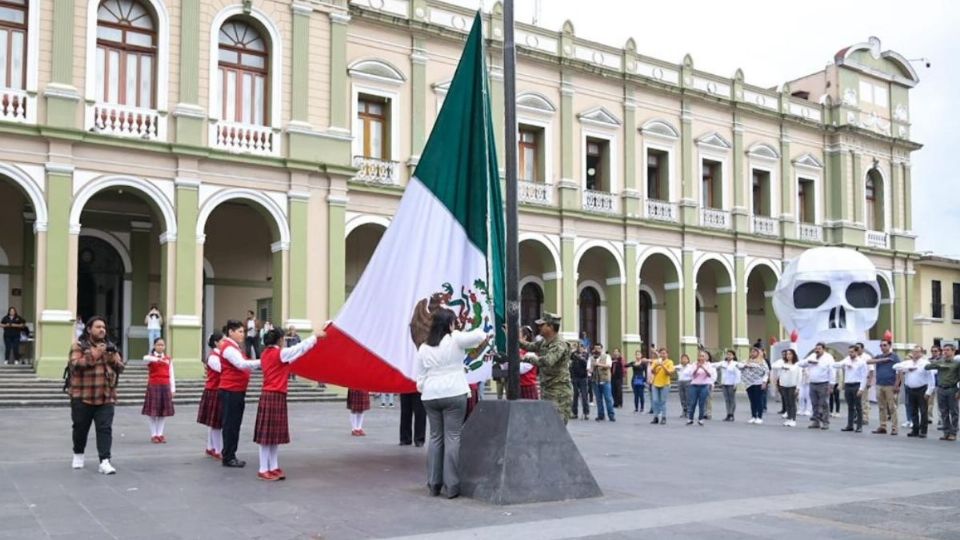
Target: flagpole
510, 166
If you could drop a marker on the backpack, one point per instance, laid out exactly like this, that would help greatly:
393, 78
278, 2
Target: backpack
67, 372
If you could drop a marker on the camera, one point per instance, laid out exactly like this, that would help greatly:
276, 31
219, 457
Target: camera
111, 347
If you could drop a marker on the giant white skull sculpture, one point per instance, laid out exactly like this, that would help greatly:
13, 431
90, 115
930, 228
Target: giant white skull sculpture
828, 294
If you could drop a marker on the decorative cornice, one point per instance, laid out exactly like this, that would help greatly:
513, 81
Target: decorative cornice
167, 238
186, 183
337, 200
339, 18
189, 110
551, 276
56, 316
185, 321
58, 168
300, 8
64, 91
419, 57
294, 195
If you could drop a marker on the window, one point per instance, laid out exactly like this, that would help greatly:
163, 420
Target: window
597, 164
806, 205
126, 54
761, 193
658, 163
956, 302
374, 115
711, 195
242, 67
874, 201
530, 154
875, 94
13, 43
936, 300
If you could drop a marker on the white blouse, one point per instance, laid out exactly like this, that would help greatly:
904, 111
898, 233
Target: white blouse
440, 371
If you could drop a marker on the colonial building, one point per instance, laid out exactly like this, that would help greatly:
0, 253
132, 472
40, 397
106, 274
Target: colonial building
216, 156
938, 291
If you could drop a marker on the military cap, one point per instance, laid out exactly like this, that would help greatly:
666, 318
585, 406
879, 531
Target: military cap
547, 318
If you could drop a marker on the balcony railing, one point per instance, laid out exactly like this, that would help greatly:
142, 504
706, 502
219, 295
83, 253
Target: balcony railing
766, 226
376, 171
808, 232
534, 193
124, 121
600, 201
17, 106
714, 218
877, 239
936, 311
244, 138
663, 211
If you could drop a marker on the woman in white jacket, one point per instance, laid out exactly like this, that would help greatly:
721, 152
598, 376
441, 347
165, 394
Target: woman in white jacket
442, 382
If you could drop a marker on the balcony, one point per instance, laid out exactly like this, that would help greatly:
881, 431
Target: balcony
534, 193
766, 226
17, 106
601, 202
240, 138
936, 311
662, 211
124, 121
713, 218
877, 239
376, 171
808, 232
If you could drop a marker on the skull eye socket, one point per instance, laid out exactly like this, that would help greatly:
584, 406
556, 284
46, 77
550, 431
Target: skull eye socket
811, 295
862, 295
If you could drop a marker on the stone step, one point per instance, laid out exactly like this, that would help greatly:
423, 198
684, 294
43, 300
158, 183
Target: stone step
62, 401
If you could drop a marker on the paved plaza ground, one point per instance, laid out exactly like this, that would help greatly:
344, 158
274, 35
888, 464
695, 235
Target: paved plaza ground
718, 481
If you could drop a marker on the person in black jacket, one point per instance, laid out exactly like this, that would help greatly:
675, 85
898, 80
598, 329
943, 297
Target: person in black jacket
580, 379
616, 377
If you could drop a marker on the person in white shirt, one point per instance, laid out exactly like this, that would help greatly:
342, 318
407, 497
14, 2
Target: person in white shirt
790, 376
729, 378
919, 383
819, 366
855, 373
683, 383
442, 383
871, 382
154, 323
803, 394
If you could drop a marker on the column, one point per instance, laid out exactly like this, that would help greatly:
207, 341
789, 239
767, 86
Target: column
689, 338
907, 198
673, 308
901, 312
741, 341
339, 99
858, 188
726, 316
741, 212
836, 183
29, 308
336, 255
140, 299
190, 117
614, 294
688, 197
569, 187
55, 324
298, 256
183, 262
63, 99
631, 288
910, 302
568, 296
788, 190
418, 95
631, 180
279, 257
552, 286
300, 53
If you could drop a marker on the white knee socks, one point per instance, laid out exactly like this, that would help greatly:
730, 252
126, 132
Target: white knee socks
215, 440
274, 450
156, 425
268, 457
161, 421
356, 420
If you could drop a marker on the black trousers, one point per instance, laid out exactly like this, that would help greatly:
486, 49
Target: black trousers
854, 405
789, 401
580, 389
231, 412
251, 347
834, 398
412, 411
101, 416
617, 386
12, 346
917, 409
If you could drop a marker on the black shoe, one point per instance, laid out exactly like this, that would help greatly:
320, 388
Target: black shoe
434, 490
655, 420
813, 426
689, 422
235, 463
848, 428
913, 434
599, 419
612, 419
418, 444
858, 430
405, 444
663, 421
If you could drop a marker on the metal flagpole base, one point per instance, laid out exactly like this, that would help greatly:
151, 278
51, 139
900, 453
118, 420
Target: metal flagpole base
514, 452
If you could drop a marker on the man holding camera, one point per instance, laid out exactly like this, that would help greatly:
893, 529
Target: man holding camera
95, 363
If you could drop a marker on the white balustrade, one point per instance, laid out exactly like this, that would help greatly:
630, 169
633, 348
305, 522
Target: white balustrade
600, 201
124, 121
534, 193
877, 239
17, 106
765, 226
376, 171
244, 138
715, 219
663, 211
808, 232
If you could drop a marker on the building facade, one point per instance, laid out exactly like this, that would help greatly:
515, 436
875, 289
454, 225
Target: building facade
217, 156
938, 291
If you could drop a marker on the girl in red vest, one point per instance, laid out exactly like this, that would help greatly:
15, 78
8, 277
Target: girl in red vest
208, 413
158, 401
272, 427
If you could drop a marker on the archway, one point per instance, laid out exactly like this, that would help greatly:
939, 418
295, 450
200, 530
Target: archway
715, 292
361, 242
531, 303
659, 276
599, 271
885, 317
538, 265
762, 322
590, 304
18, 252
101, 284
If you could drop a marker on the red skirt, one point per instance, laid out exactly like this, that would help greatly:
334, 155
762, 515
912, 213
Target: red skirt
158, 401
272, 426
358, 401
208, 413
529, 391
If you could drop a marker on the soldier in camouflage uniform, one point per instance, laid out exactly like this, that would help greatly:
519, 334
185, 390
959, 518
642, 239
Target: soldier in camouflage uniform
553, 361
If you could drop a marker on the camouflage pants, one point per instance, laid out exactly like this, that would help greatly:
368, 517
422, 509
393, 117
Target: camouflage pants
562, 400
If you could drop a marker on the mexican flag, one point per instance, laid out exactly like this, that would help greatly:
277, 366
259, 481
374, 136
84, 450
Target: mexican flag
443, 250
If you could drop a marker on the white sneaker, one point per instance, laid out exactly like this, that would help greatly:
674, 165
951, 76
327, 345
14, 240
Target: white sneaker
759, 421
106, 467
786, 423
78, 461
751, 421
791, 423
784, 415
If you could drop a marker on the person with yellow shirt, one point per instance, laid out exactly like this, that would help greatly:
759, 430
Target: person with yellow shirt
662, 370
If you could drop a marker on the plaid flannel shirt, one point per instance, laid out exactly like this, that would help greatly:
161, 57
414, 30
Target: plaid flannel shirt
93, 376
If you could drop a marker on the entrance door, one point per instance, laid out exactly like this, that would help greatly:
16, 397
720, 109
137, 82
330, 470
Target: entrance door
100, 284
531, 298
590, 313
646, 305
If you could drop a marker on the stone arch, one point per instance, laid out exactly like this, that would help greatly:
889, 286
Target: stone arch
760, 263
544, 241
707, 257
604, 245
31, 188
651, 251
661, 128
260, 201
376, 69
365, 219
115, 243
154, 197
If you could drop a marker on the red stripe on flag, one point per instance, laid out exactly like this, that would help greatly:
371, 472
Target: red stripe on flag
339, 359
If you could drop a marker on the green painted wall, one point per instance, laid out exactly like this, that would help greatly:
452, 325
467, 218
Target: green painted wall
277, 286
614, 295
299, 246
185, 292
336, 272
568, 297
338, 73
300, 82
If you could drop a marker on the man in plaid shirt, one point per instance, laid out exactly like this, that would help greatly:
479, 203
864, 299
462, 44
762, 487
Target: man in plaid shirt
95, 364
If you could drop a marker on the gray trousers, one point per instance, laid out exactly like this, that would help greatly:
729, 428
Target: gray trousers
820, 401
443, 456
683, 389
947, 399
730, 398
